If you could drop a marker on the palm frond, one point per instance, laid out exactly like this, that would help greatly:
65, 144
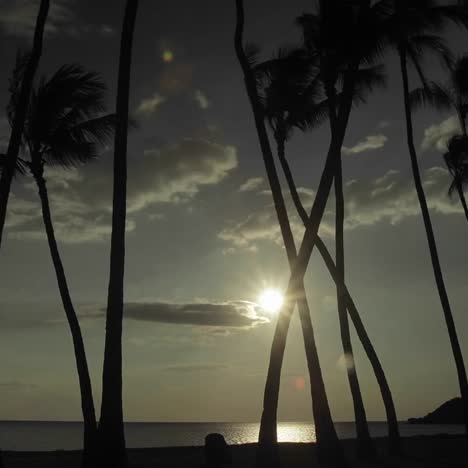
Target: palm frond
69, 153
99, 130
65, 122
367, 80
456, 159
252, 51
460, 75
420, 45
431, 95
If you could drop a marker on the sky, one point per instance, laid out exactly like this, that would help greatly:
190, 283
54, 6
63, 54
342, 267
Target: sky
202, 237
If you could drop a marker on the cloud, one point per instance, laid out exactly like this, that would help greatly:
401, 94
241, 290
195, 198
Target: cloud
27, 316
232, 314
15, 386
201, 99
371, 142
81, 199
390, 198
251, 184
18, 18
383, 124
148, 106
188, 368
436, 136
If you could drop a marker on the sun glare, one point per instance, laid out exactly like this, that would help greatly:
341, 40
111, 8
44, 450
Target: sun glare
271, 300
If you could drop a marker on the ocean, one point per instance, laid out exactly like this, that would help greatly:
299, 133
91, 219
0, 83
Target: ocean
45, 436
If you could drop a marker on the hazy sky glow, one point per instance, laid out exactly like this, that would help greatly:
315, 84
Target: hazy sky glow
203, 240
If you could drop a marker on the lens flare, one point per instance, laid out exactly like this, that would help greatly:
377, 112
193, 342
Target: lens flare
168, 56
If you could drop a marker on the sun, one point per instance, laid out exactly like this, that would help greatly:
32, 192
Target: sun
271, 300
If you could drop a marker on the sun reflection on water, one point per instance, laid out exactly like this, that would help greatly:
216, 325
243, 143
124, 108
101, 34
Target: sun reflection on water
296, 432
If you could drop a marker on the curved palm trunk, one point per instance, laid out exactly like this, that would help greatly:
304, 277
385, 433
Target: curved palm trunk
457, 353
393, 430
20, 114
365, 446
330, 450
111, 426
87, 404
462, 199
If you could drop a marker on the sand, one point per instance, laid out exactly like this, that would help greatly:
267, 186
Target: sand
419, 452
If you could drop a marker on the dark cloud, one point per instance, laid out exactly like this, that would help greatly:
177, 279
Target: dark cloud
15, 386
18, 18
234, 314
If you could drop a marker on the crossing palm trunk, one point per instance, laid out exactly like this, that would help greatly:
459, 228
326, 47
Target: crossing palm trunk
86, 393
329, 446
450, 323
111, 424
329, 450
20, 113
394, 433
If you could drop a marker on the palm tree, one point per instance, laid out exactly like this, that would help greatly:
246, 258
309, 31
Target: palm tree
456, 159
326, 437
111, 428
412, 29
338, 126
30, 66
452, 95
295, 102
62, 128
329, 447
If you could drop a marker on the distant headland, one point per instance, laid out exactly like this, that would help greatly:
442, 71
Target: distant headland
451, 412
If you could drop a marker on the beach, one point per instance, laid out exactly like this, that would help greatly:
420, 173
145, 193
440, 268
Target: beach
420, 451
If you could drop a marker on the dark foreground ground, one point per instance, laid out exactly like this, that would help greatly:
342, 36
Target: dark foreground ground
419, 452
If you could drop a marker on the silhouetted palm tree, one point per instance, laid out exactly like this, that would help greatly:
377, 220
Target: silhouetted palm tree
412, 28
331, 43
274, 98
111, 427
292, 99
30, 67
452, 95
456, 159
63, 128
449, 95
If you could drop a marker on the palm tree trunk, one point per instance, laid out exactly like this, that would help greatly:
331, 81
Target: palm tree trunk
457, 353
365, 446
462, 199
20, 113
111, 426
329, 449
394, 433
87, 404
294, 290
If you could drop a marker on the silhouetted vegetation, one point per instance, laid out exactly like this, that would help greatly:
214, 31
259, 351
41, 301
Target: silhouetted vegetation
61, 120
111, 423
64, 127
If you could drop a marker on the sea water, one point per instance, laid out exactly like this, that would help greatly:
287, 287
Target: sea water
39, 436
